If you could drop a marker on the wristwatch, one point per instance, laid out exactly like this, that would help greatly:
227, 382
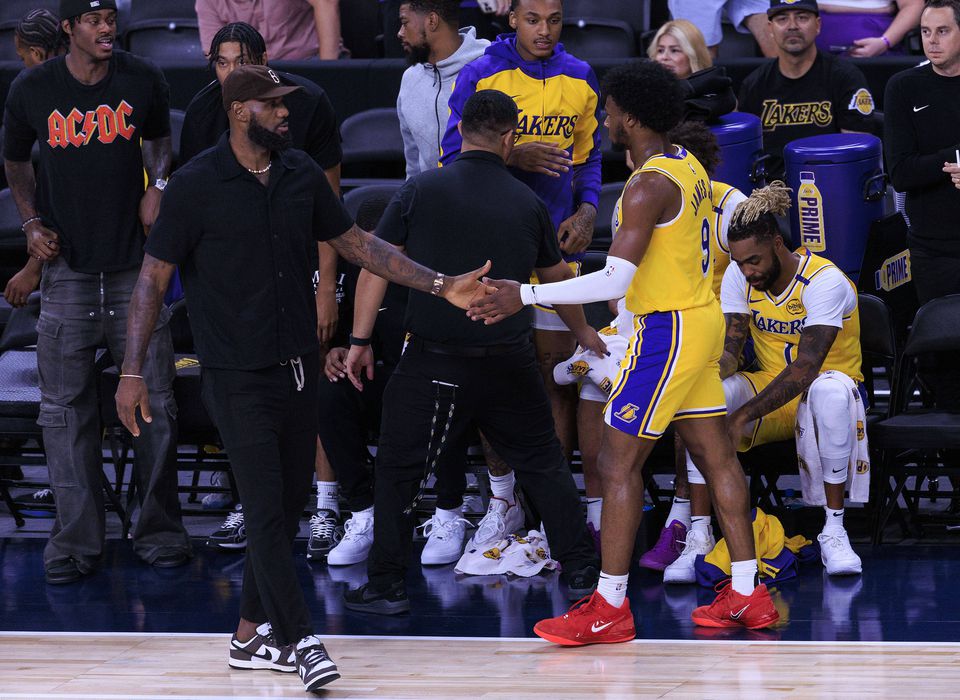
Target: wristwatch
160, 184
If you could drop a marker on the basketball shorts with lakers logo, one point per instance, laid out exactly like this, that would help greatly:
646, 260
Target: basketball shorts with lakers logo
671, 372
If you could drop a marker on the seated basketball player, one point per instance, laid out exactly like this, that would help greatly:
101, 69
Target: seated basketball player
801, 311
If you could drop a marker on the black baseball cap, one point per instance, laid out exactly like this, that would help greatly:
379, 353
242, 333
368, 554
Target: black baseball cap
75, 8
253, 82
778, 6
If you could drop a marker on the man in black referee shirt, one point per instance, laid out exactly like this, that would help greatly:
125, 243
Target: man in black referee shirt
240, 220
455, 373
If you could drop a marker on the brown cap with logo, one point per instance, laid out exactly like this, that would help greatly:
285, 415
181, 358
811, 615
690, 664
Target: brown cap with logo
254, 83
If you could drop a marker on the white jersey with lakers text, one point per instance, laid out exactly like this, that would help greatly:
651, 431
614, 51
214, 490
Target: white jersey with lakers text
819, 295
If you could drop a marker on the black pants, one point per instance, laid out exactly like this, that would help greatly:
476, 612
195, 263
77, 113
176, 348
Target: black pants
269, 430
505, 397
347, 418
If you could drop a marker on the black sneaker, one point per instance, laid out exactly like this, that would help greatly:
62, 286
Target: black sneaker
314, 665
232, 534
262, 652
392, 601
325, 534
64, 571
582, 582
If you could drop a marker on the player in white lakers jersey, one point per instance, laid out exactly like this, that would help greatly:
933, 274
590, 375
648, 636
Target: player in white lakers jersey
660, 261
801, 312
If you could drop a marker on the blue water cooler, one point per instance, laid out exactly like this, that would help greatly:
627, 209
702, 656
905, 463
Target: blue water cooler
741, 145
838, 187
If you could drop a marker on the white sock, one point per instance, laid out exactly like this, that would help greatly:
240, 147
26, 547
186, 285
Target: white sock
365, 514
503, 486
701, 525
744, 575
834, 520
594, 508
448, 515
328, 496
679, 510
612, 588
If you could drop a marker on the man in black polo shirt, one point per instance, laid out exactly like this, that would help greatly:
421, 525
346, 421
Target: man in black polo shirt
455, 373
803, 92
240, 220
313, 129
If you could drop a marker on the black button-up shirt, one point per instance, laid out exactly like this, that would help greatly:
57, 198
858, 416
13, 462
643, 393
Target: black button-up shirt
244, 252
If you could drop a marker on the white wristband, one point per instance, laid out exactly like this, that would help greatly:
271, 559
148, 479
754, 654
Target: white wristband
527, 295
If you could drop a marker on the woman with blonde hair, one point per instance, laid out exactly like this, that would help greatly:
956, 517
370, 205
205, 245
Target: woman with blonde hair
680, 46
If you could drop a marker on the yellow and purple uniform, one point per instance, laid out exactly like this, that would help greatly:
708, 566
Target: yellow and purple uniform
671, 370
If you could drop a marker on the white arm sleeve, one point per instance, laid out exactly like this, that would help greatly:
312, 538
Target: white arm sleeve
733, 291
828, 298
611, 282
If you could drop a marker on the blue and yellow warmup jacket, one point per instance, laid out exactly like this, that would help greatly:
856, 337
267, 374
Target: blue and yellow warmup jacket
559, 101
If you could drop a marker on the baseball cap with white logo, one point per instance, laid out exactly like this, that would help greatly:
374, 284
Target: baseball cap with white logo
254, 83
75, 8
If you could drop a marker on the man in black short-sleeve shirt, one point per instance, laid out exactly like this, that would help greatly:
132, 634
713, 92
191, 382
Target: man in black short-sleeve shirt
803, 92
240, 219
100, 117
455, 373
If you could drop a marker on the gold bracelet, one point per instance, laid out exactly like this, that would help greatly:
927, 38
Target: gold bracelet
437, 285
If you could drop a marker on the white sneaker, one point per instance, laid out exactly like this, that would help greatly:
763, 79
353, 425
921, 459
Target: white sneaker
356, 543
444, 540
683, 570
503, 518
837, 555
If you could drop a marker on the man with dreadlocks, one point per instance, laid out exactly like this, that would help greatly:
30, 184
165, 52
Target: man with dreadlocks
801, 311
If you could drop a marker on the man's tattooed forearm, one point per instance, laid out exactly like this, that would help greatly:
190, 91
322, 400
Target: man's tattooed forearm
383, 259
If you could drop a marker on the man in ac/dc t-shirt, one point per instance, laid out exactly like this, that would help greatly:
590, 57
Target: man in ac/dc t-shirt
803, 92
85, 217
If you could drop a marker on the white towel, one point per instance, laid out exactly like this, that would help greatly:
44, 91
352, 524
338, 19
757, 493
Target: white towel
516, 555
811, 471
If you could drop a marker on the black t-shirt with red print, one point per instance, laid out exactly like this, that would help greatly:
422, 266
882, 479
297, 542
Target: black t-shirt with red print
90, 179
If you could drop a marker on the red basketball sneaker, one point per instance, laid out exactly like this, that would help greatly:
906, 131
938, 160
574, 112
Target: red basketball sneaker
731, 609
590, 621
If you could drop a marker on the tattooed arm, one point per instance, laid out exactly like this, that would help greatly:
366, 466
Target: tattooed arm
145, 305
385, 260
738, 329
157, 158
796, 378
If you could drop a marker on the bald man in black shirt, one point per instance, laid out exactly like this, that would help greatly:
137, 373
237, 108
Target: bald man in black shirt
455, 373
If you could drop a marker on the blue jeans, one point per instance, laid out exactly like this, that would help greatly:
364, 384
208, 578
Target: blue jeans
80, 313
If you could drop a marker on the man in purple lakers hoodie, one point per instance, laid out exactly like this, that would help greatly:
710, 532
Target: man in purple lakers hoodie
557, 154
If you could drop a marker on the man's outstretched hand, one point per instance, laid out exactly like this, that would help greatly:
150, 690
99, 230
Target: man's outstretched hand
501, 301
463, 289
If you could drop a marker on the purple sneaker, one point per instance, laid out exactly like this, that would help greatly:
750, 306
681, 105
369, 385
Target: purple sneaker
595, 534
667, 549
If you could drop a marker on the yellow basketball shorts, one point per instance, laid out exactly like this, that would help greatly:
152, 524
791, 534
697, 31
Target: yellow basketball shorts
671, 372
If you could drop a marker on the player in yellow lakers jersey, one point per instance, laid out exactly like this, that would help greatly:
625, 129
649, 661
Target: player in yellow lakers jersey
801, 312
660, 261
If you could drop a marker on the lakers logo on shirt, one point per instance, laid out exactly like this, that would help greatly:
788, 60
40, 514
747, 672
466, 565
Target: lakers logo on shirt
547, 125
862, 101
79, 128
579, 368
862, 466
796, 114
628, 413
860, 431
